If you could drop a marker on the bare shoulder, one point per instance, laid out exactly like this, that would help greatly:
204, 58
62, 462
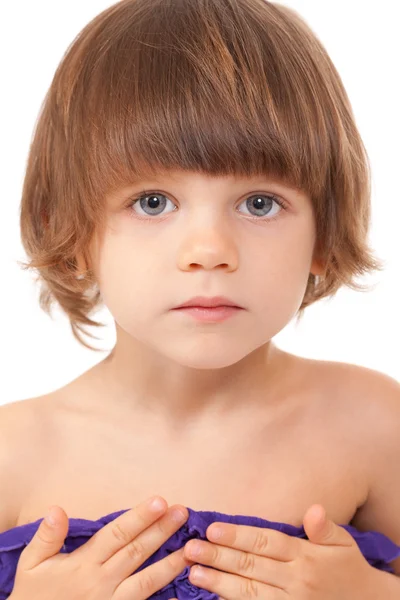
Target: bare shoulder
20, 435
22, 418
367, 399
357, 388
375, 395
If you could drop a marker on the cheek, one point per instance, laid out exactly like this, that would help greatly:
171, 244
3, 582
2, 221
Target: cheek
283, 266
123, 275
279, 280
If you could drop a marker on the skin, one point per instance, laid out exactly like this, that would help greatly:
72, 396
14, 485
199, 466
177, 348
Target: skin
210, 245
171, 378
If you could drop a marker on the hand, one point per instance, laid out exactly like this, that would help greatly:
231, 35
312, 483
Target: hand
101, 569
266, 564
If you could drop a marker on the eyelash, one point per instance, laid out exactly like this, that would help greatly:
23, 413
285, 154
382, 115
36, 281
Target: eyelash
133, 200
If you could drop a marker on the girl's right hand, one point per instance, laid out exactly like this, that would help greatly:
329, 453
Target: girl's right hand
101, 569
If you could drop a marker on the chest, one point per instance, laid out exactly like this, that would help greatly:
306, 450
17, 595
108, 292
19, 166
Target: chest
274, 473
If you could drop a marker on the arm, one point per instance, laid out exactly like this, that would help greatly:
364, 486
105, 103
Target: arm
381, 511
387, 586
10, 460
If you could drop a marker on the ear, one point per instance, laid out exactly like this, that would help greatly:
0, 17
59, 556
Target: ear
317, 269
317, 266
81, 266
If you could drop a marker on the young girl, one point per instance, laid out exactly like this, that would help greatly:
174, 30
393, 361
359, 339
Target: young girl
196, 168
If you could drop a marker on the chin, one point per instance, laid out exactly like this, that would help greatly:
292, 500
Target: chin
208, 358
207, 365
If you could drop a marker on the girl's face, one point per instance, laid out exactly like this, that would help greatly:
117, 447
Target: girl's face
190, 235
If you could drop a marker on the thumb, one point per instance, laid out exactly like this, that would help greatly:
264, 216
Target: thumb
48, 539
321, 530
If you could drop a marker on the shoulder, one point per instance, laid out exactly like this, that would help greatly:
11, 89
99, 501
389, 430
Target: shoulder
365, 399
20, 432
23, 419
359, 390
374, 396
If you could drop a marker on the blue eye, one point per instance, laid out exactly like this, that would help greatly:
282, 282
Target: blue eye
261, 207
153, 204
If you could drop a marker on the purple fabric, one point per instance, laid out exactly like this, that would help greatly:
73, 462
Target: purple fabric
378, 549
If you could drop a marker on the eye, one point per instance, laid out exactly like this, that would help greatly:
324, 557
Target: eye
259, 205
150, 204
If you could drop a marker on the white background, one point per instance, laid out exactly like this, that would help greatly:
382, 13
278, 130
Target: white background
39, 354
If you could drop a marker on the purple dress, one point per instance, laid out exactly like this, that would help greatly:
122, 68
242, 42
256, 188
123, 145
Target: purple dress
377, 549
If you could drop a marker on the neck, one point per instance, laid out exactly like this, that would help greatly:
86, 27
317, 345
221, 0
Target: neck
139, 382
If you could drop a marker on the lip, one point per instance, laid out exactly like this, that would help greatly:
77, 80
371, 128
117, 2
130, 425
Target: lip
204, 314
204, 302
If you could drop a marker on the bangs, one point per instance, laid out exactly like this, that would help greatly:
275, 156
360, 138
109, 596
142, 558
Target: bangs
206, 86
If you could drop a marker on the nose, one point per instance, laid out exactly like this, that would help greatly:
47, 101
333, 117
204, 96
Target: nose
208, 248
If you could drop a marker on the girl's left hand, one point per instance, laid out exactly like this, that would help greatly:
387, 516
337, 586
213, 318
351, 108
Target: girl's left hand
266, 564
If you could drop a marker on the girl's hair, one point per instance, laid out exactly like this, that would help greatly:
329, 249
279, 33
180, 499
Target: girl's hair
214, 86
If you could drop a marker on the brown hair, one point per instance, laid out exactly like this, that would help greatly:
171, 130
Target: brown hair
218, 86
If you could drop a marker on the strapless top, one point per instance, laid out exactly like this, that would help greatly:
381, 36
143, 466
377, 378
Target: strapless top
377, 548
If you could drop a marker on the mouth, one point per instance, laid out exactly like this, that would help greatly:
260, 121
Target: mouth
209, 303
211, 310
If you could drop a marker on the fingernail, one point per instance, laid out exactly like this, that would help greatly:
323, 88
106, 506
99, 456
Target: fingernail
178, 515
156, 504
197, 573
215, 532
195, 548
50, 519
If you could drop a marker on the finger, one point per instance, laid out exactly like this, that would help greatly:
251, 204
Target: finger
47, 541
150, 580
257, 540
127, 560
120, 532
238, 562
234, 587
